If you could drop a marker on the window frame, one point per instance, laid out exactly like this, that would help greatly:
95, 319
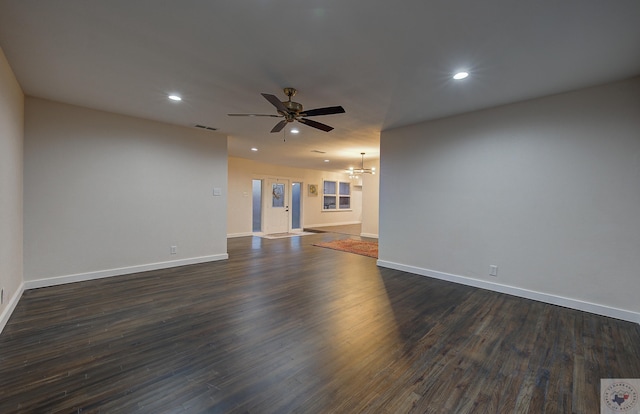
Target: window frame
338, 196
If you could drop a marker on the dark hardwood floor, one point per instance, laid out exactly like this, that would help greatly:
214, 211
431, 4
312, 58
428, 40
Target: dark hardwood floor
352, 229
283, 326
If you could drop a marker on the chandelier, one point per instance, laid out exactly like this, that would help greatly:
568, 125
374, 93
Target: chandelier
353, 172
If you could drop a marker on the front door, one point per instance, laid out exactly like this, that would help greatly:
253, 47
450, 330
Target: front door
277, 206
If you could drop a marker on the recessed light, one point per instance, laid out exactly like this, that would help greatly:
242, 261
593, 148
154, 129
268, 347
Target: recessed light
175, 98
326, 160
460, 75
294, 131
254, 149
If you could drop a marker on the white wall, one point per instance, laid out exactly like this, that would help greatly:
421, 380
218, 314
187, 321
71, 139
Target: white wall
548, 190
11, 178
107, 194
370, 201
242, 171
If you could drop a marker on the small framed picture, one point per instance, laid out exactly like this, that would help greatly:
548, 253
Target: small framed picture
313, 190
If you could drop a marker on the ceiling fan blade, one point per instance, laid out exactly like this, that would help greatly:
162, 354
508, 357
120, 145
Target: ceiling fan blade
279, 126
314, 124
330, 110
272, 116
275, 102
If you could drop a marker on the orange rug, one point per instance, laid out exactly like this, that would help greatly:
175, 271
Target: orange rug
364, 248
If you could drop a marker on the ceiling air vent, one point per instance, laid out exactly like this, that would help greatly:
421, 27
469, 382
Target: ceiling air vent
206, 127
319, 152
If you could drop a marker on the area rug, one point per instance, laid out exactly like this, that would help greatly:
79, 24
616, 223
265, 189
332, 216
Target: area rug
364, 248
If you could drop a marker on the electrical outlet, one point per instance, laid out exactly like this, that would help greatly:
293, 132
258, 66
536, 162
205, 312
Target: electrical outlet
493, 270
174, 249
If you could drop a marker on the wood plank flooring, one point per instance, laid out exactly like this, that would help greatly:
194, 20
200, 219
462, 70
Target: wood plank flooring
352, 229
286, 327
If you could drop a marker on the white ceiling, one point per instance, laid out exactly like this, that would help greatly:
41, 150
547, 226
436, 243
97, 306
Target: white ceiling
387, 63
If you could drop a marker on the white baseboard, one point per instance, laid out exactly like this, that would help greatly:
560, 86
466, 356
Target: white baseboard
232, 235
342, 223
520, 292
369, 235
81, 277
11, 306
258, 234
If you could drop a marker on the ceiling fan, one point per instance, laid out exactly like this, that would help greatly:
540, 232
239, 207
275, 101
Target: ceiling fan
293, 111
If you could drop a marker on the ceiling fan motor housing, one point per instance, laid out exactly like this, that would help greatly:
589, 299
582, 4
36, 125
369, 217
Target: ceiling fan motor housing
293, 106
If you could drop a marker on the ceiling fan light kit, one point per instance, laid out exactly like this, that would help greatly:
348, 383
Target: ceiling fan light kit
292, 111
